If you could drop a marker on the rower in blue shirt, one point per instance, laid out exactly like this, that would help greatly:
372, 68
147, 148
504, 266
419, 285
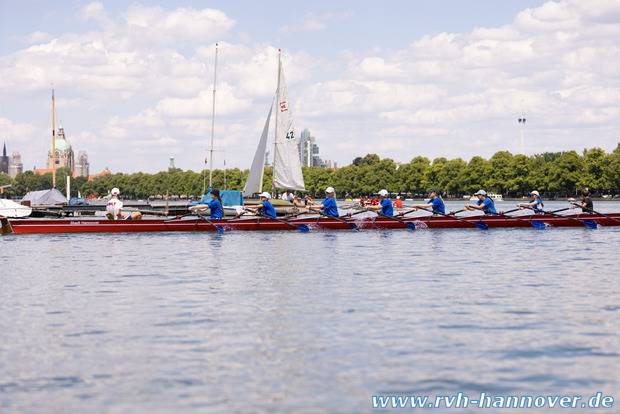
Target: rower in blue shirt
536, 203
265, 208
385, 205
436, 202
328, 205
484, 203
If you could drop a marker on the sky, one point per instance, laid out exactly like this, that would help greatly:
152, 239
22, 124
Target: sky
133, 81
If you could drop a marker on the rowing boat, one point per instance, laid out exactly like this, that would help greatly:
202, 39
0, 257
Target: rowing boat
192, 223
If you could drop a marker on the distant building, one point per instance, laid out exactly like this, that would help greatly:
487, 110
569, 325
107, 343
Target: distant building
15, 165
4, 162
82, 167
330, 164
64, 153
308, 150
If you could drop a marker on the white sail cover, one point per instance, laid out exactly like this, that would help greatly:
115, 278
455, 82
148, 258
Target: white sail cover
254, 182
286, 162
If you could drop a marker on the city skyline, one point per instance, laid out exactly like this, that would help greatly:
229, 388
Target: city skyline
134, 83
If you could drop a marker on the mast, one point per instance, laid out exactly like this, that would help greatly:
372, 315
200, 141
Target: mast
275, 141
213, 123
53, 141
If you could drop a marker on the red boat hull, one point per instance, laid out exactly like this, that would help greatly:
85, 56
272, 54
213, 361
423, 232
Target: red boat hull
25, 226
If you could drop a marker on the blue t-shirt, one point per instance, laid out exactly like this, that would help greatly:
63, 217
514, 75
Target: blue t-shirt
216, 209
538, 206
438, 205
267, 209
488, 205
386, 207
329, 206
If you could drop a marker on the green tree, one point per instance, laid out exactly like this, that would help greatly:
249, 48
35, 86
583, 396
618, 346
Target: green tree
411, 175
612, 171
500, 174
565, 173
519, 181
475, 175
434, 174
595, 164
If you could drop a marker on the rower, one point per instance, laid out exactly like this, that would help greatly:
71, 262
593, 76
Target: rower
484, 203
398, 203
265, 208
436, 202
585, 204
385, 205
328, 205
115, 206
215, 205
536, 203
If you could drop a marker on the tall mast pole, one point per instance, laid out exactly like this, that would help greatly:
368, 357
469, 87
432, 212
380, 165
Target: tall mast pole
213, 123
275, 141
53, 141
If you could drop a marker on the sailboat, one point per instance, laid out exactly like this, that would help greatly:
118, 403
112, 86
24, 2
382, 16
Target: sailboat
286, 163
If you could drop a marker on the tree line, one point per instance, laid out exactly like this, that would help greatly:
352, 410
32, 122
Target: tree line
553, 174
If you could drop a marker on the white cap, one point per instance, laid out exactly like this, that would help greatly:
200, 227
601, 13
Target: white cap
330, 190
115, 191
265, 194
481, 192
398, 197
535, 193
383, 193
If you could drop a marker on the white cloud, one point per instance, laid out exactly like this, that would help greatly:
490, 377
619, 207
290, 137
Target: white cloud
143, 79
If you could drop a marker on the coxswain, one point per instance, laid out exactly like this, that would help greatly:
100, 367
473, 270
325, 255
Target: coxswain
484, 203
436, 202
385, 205
114, 208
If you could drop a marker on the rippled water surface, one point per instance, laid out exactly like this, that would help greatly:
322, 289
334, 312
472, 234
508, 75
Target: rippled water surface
305, 322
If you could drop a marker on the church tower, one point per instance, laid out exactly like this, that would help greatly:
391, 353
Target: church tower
64, 153
4, 163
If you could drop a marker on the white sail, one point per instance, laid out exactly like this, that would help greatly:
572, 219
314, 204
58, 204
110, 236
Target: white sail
254, 182
286, 163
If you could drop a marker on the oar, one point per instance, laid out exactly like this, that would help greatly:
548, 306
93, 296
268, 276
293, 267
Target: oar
410, 225
220, 229
480, 225
510, 211
596, 212
302, 227
357, 212
352, 225
588, 223
537, 224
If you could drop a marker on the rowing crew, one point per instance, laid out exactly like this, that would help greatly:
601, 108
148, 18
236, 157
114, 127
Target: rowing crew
329, 207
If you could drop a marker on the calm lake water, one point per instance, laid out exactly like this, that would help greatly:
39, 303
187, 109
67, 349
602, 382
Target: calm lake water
317, 322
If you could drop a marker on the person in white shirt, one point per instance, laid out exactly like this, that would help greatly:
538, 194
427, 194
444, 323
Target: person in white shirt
115, 206
288, 196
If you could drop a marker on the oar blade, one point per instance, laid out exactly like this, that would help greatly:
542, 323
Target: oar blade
353, 226
538, 224
411, 226
590, 224
303, 228
482, 226
220, 229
